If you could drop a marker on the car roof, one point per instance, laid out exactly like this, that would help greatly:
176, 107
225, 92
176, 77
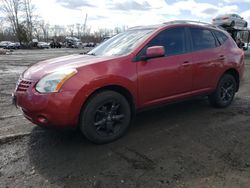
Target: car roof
146, 27
221, 15
177, 22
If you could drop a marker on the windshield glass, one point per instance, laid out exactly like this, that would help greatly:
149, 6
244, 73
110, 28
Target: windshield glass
122, 43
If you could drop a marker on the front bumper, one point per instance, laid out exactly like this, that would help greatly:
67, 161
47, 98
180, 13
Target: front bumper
58, 110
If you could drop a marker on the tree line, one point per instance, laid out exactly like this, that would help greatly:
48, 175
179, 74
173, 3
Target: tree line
21, 24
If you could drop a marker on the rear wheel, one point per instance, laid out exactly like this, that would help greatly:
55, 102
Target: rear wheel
105, 117
224, 93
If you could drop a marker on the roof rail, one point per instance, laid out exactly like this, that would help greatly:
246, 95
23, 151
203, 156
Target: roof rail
190, 22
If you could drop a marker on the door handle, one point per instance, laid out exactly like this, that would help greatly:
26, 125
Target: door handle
221, 58
186, 63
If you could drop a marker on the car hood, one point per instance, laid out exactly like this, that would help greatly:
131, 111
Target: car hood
43, 68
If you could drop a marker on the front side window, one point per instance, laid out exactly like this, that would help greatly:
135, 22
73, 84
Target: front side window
202, 39
173, 40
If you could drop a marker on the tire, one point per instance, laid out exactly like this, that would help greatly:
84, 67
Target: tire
224, 93
105, 117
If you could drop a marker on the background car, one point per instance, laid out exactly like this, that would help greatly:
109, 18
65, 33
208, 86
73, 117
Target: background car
18, 45
43, 45
55, 44
13, 45
246, 46
4, 44
230, 20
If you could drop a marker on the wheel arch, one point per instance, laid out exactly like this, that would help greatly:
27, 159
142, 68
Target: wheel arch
119, 89
236, 75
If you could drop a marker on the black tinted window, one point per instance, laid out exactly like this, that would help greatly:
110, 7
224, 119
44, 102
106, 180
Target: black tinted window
202, 39
173, 41
220, 36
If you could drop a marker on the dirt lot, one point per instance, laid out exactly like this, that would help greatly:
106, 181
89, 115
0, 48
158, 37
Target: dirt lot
189, 144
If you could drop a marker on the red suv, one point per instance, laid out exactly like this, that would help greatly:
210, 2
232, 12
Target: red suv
141, 67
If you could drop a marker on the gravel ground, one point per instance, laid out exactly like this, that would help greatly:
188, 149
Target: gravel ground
189, 144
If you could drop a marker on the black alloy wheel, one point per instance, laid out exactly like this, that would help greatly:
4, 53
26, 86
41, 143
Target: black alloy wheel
105, 117
224, 93
227, 91
108, 118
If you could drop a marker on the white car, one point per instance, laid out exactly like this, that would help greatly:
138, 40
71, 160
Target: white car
230, 20
43, 45
4, 44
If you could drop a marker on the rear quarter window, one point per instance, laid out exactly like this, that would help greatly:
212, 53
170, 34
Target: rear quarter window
220, 36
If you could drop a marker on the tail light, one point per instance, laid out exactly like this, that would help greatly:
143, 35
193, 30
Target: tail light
225, 18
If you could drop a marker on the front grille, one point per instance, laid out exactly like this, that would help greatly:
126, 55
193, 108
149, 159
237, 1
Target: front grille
23, 85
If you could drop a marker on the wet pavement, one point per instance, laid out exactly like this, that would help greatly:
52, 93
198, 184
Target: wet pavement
189, 144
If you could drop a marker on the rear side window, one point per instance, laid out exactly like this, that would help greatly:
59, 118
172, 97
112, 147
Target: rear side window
202, 39
220, 36
173, 41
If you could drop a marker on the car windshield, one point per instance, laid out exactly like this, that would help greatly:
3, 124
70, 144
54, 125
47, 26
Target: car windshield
122, 43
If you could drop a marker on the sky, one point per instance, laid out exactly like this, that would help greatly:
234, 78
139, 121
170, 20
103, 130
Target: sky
117, 13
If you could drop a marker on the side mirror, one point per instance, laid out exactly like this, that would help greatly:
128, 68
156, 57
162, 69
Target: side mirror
153, 52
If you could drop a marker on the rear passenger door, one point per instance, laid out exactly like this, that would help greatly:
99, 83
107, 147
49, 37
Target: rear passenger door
206, 57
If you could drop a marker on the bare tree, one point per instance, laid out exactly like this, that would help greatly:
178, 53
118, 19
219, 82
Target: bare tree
78, 30
12, 9
71, 29
45, 29
19, 14
29, 10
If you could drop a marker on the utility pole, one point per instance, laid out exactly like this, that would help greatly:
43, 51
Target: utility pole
85, 24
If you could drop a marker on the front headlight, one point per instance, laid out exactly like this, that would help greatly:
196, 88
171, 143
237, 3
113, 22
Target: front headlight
54, 81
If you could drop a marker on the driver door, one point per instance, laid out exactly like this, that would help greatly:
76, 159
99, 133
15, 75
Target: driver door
169, 77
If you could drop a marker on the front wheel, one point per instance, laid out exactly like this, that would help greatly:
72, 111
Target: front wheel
224, 93
105, 117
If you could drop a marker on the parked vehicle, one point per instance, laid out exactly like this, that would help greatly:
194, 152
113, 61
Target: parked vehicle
73, 42
4, 44
13, 45
55, 44
18, 45
76, 45
142, 67
230, 20
246, 46
91, 44
43, 45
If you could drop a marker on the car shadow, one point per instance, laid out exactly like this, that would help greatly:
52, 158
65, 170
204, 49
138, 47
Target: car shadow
67, 158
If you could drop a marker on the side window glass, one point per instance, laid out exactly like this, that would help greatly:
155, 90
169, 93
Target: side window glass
202, 39
220, 36
173, 40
